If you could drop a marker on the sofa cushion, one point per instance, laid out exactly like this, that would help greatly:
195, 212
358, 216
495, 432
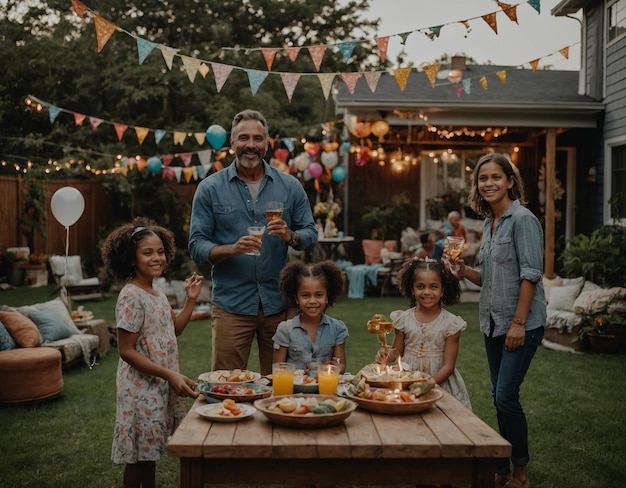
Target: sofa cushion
563, 321
50, 325
563, 297
22, 329
549, 284
598, 301
6, 341
58, 307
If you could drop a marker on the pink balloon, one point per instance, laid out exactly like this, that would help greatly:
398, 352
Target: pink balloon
315, 169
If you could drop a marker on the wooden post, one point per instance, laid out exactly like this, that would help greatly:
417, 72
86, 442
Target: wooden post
549, 230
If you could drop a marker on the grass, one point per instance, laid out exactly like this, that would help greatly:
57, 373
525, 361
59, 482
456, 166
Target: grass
575, 406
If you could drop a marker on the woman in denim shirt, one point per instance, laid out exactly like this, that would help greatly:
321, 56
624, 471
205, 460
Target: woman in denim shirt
512, 300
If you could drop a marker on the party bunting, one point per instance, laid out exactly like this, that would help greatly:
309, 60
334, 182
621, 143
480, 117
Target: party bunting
205, 156
167, 159
350, 80
269, 54
402, 76
168, 54
53, 112
483, 82
177, 172
502, 76
372, 78
292, 53
191, 66
431, 71
141, 132
290, 81
221, 72
326, 80
533, 64
467, 85
95, 122
434, 32
536, 4
119, 130
382, 43
565, 52
185, 158
346, 49
200, 137
78, 119
158, 135
491, 20
317, 54
104, 31
510, 11
79, 8
144, 48
179, 137
256, 78
187, 174
203, 69
458, 89
404, 36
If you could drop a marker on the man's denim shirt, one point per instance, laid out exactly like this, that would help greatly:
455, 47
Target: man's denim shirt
512, 254
222, 211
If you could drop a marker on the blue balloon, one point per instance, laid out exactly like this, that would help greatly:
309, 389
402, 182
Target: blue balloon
339, 173
154, 164
216, 135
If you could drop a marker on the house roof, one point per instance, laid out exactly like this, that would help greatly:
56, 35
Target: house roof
568, 7
544, 98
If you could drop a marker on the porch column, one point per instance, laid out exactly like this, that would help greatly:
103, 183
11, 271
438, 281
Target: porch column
548, 267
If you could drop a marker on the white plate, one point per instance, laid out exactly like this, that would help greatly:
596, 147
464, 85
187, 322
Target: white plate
226, 376
212, 411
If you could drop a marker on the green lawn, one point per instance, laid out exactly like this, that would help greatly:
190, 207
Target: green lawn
575, 406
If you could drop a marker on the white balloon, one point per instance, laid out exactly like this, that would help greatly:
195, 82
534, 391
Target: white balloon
302, 161
330, 159
67, 205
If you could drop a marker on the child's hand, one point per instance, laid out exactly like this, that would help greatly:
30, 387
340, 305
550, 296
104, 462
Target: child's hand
193, 285
385, 355
182, 385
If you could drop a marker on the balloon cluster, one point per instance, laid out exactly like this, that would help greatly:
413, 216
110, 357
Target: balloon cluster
318, 161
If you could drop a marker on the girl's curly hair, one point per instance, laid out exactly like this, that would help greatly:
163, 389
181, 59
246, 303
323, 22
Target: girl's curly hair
120, 247
326, 271
409, 271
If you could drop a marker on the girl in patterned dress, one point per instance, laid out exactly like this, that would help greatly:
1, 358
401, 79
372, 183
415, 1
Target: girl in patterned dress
150, 389
427, 335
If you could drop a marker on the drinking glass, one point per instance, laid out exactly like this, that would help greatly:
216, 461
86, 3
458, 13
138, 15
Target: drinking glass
328, 379
274, 211
455, 246
282, 378
258, 233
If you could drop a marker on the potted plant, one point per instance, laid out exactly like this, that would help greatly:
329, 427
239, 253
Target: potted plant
606, 332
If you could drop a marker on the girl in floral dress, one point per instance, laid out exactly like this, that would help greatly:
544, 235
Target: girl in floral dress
427, 335
150, 390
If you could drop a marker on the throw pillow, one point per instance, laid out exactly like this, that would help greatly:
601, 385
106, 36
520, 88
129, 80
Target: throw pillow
22, 329
597, 301
58, 307
50, 325
563, 298
6, 341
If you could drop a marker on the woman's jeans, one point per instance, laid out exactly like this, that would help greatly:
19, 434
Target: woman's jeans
507, 371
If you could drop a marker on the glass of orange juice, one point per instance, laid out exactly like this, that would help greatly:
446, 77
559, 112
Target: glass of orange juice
282, 378
328, 379
274, 211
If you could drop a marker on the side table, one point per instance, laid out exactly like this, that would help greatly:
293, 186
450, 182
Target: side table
100, 328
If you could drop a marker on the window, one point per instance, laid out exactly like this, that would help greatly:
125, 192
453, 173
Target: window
618, 182
616, 14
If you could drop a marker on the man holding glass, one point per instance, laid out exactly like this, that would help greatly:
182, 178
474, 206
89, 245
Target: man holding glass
246, 296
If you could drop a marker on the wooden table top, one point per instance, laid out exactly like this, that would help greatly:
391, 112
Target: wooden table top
446, 430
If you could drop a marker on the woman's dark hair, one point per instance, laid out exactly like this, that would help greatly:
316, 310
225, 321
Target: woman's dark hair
516, 192
411, 267
119, 249
326, 271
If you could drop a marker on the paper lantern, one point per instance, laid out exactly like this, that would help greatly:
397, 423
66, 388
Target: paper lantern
380, 128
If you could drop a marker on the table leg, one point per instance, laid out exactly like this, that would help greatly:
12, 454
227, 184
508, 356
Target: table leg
190, 473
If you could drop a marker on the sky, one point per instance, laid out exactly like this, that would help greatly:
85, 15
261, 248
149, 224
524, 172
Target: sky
534, 36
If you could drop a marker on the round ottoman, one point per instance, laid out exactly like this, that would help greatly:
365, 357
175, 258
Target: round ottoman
30, 373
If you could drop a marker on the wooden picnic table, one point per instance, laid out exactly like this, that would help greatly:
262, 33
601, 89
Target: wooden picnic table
445, 444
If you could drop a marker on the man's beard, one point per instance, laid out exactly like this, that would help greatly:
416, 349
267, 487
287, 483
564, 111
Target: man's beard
246, 163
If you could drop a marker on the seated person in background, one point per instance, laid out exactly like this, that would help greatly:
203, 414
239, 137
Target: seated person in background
427, 246
454, 227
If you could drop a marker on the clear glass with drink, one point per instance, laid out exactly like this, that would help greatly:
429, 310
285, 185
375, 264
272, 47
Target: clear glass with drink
274, 211
257, 232
455, 246
282, 378
328, 379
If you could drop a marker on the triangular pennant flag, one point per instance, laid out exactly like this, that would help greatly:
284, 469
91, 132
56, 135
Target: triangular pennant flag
483, 82
79, 8
199, 171
200, 137
346, 48
167, 174
491, 20
372, 78
383, 44
186, 158
502, 75
431, 71
119, 130
205, 156
218, 166
434, 32
221, 72
167, 159
191, 66
402, 76
194, 172
53, 112
468, 28
269, 54
467, 85
317, 54
177, 172
290, 81
256, 78
187, 173
179, 137
292, 52
168, 54
509, 10
104, 31
350, 80
458, 89
206, 168
144, 48
565, 52
203, 69
326, 80
141, 132
534, 63
95, 122
289, 143
78, 119
158, 135
404, 36
536, 4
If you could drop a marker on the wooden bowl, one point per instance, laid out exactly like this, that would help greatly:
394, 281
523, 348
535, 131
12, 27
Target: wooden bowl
404, 408
304, 421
